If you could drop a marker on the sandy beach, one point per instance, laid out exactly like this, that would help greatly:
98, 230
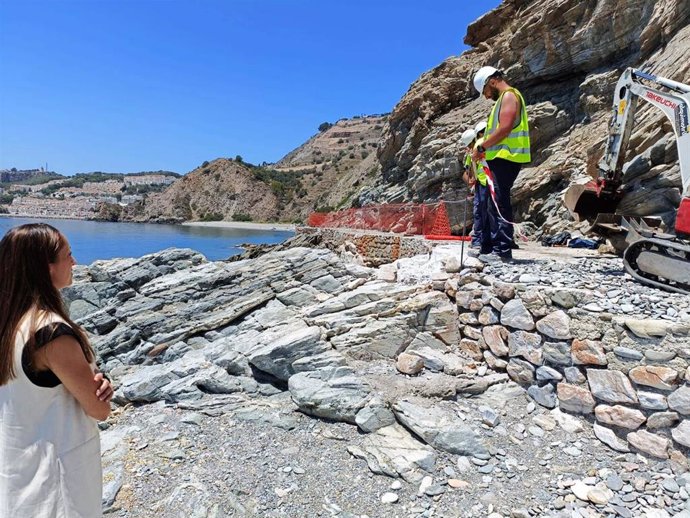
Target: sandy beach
284, 227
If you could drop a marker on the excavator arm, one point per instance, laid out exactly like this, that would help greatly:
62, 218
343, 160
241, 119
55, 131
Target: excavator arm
602, 194
655, 258
675, 105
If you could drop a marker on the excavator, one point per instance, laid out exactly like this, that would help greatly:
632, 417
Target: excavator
653, 257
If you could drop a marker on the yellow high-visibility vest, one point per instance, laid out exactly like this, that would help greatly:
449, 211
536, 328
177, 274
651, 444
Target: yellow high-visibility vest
479, 168
516, 146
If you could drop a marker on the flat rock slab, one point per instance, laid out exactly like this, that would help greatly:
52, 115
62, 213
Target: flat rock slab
336, 394
393, 451
439, 428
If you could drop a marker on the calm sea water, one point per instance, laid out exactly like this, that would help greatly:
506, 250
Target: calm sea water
92, 240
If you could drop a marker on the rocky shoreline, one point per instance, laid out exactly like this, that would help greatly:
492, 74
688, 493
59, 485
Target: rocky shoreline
300, 383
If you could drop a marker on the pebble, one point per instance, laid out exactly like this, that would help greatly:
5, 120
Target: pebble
670, 485
389, 498
614, 483
572, 451
457, 483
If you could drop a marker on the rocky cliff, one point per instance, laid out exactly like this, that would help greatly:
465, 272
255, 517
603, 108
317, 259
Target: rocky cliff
565, 56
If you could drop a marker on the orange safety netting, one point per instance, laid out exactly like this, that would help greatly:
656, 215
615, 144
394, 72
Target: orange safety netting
430, 220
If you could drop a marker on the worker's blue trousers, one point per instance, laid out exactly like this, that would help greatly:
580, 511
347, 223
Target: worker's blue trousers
504, 173
480, 228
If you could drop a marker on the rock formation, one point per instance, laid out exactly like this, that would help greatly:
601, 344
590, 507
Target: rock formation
565, 56
436, 367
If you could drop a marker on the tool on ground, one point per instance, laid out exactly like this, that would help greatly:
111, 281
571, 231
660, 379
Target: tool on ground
653, 257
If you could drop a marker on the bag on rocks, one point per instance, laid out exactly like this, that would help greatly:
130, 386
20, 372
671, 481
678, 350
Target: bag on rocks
560, 239
581, 242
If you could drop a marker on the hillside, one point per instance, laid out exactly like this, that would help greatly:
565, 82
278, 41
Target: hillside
336, 163
221, 189
565, 56
324, 172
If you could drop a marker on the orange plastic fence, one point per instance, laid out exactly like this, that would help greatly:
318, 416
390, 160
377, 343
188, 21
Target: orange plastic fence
430, 220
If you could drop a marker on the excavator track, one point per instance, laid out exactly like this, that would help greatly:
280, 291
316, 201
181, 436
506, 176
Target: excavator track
660, 262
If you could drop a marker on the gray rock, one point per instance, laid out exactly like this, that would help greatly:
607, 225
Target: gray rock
574, 375
330, 393
526, 345
652, 401
679, 400
659, 420
627, 353
545, 395
488, 316
277, 357
555, 325
515, 314
394, 452
440, 429
520, 371
373, 417
681, 433
432, 358
548, 374
608, 437
557, 353
611, 386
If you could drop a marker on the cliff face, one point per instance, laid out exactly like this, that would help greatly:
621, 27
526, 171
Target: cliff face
565, 56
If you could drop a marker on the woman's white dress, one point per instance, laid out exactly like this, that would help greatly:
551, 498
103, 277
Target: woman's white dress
50, 461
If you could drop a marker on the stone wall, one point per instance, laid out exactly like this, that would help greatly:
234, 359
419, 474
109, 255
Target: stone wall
630, 376
370, 248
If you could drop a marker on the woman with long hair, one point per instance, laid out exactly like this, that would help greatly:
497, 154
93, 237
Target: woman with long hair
51, 394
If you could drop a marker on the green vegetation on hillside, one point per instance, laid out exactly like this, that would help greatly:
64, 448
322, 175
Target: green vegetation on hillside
284, 184
34, 180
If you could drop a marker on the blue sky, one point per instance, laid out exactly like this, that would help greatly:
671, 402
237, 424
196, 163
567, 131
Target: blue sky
126, 86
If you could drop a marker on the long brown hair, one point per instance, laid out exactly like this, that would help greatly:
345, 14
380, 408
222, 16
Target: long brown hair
25, 285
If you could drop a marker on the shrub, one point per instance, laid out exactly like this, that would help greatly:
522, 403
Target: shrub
364, 154
205, 163
238, 158
241, 217
325, 126
212, 216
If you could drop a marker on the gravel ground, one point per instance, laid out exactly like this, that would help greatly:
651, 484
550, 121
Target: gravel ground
251, 460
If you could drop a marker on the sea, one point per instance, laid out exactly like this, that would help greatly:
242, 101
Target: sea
92, 240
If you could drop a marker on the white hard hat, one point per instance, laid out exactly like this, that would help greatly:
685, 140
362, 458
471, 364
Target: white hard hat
481, 126
482, 76
467, 137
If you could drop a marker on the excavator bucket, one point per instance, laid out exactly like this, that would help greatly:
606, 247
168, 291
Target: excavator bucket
620, 231
587, 200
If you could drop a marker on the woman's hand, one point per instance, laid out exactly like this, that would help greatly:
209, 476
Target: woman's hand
66, 359
105, 389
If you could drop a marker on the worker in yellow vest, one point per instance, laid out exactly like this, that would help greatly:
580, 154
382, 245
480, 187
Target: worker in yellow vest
475, 177
506, 147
